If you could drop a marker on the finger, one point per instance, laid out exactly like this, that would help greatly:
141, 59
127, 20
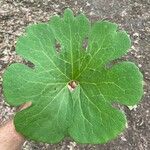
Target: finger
24, 106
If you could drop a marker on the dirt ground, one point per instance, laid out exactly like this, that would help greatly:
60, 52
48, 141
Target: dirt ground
131, 15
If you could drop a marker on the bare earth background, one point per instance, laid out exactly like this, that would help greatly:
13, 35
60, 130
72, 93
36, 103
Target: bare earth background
131, 15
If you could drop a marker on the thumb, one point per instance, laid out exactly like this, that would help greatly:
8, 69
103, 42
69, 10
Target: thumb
25, 105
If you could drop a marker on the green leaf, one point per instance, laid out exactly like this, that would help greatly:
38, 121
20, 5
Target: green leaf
72, 87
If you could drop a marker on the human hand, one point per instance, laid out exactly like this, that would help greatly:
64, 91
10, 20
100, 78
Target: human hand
10, 139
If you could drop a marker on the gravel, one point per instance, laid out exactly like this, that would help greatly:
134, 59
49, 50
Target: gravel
131, 15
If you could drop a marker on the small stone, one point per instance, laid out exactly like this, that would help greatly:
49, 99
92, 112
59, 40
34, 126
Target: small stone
123, 13
136, 34
75, 2
133, 47
88, 4
138, 56
136, 42
92, 13
139, 65
123, 138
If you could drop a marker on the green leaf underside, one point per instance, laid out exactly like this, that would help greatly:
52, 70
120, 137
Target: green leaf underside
86, 113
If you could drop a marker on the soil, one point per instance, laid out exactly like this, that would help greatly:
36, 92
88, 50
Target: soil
131, 15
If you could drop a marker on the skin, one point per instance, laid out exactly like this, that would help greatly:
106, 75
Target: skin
10, 139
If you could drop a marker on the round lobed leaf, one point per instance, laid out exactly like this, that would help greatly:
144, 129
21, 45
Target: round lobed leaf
71, 87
